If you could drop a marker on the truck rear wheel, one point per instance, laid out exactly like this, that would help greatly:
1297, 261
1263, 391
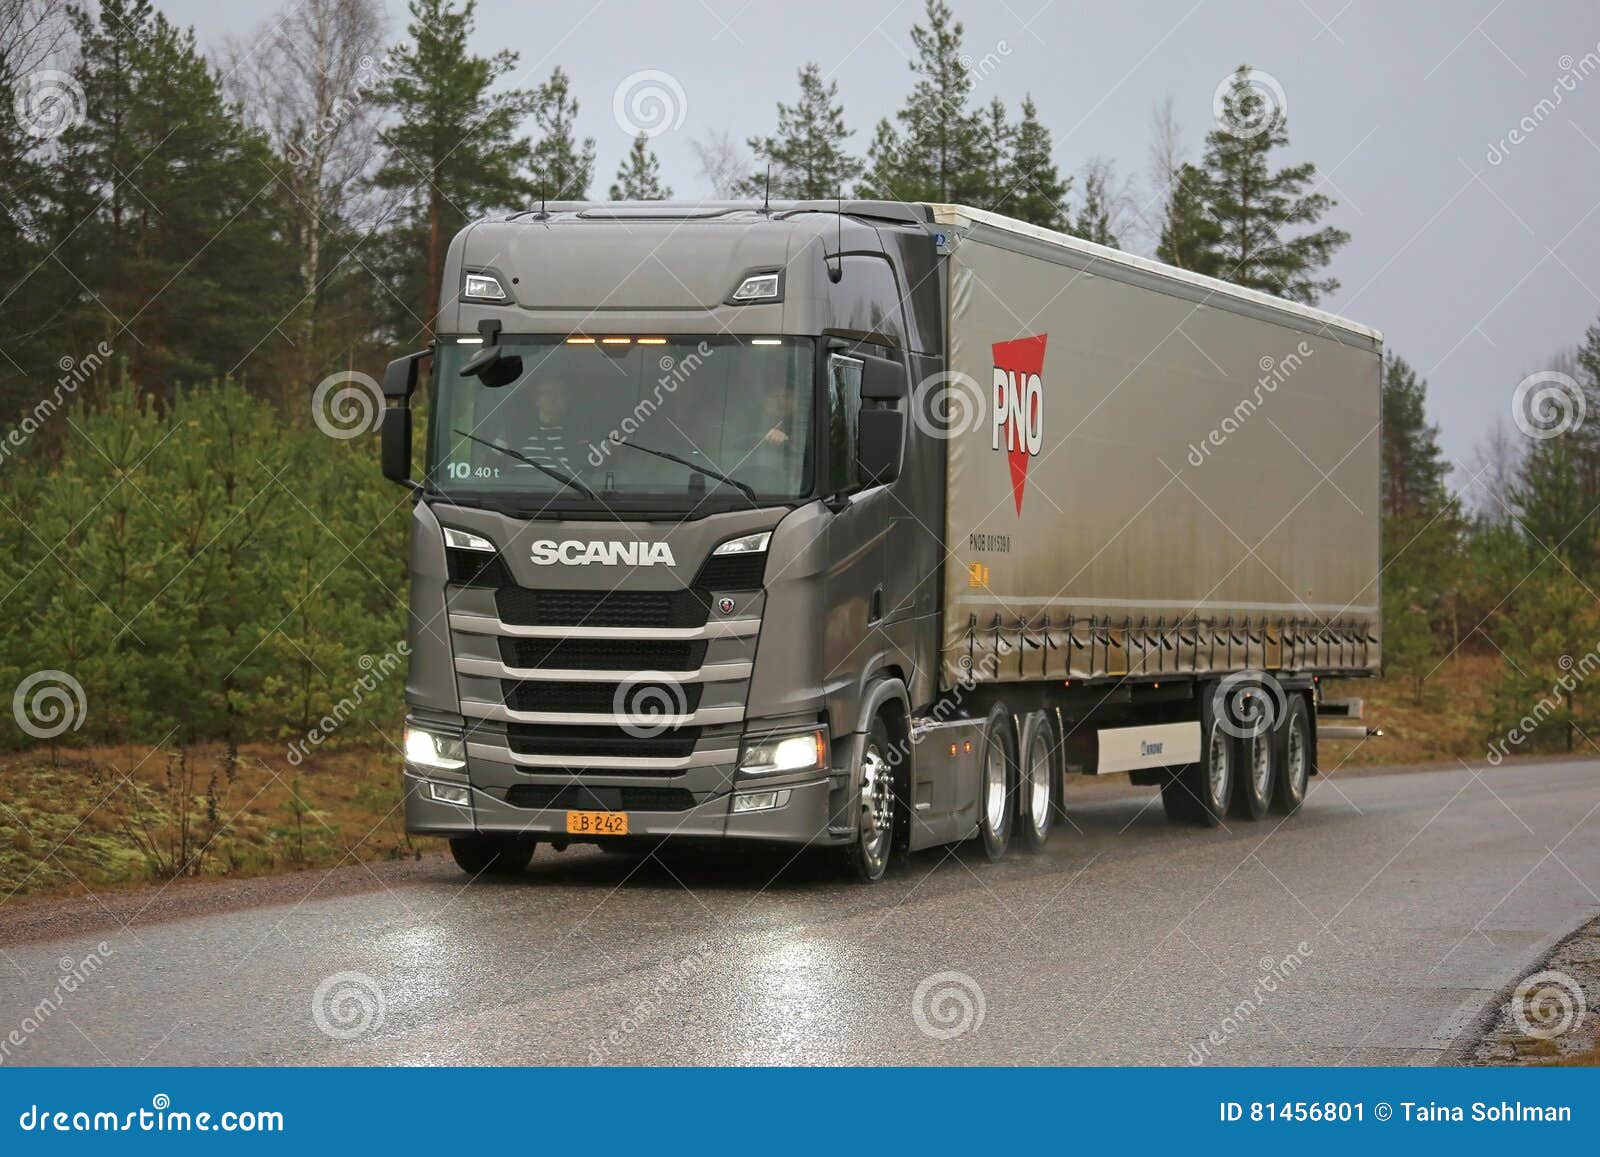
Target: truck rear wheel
492, 855
1036, 797
1201, 792
1292, 740
997, 783
1256, 773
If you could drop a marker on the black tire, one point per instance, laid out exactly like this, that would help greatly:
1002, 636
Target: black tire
1289, 788
1202, 792
866, 857
492, 855
1036, 781
997, 773
1254, 774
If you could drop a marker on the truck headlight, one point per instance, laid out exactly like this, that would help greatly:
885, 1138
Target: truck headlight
744, 544
804, 752
434, 749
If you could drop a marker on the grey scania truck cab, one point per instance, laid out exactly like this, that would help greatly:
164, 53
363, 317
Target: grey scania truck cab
777, 522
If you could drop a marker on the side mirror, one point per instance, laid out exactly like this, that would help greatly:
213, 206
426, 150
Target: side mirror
396, 448
493, 367
878, 441
882, 380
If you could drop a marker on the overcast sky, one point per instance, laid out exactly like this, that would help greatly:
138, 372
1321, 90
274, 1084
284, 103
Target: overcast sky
1478, 271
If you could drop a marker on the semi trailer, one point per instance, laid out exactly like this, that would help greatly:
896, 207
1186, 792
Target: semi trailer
866, 526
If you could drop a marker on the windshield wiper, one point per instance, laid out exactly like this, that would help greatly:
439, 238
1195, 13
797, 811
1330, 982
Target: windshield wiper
698, 468
560, 476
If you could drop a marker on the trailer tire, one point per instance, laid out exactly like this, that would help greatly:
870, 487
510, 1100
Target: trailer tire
1292, 745
1255, 774
492, 855
1037, 780
867, 854
997, 783
1202, 792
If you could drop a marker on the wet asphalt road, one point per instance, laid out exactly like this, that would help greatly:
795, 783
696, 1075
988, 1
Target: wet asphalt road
1371, 929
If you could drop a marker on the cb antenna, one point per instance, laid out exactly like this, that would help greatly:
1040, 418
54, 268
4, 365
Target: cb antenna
836, 270
766, 194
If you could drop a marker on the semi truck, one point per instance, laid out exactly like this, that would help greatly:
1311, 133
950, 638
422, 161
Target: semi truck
867, 526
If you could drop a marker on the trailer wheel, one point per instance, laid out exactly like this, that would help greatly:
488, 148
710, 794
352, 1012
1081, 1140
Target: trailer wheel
492, 855
1292, 742
997, 783
1036, 797
1257, 770
867, 855
1201, 792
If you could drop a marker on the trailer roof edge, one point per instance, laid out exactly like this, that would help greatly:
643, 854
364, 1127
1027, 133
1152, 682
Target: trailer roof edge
957, 215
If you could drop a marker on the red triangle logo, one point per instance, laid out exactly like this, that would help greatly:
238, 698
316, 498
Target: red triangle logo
1021, 359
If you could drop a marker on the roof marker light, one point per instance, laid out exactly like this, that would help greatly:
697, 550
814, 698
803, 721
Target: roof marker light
580, 341
766, 341
615, 340
652, 341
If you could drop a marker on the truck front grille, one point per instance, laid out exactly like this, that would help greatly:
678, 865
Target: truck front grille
644, 700
579, 741
602, 654
640, 799
525, 607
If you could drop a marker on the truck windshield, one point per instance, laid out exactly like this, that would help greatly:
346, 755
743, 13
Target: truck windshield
659, 422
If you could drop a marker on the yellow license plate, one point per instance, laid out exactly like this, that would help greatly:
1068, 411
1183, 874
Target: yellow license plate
597, 823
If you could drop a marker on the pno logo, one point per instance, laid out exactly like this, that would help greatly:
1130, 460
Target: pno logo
1018, 414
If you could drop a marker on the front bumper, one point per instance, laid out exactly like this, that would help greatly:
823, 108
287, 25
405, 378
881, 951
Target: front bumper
802, 820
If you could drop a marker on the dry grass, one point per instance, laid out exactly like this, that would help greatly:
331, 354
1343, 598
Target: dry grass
111, 817
1446, 725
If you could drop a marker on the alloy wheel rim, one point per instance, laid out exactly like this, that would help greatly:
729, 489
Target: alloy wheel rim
877, 795
1217, 779
1039, 785
994, 787
1261, 771
1297, 769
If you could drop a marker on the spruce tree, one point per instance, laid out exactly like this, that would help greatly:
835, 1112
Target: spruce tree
1093, 222
1256, 208
639, 176
937, 152
1551, 507
1413, 465
563, 167
807, 154
1189, 235
452, 151
1036, 191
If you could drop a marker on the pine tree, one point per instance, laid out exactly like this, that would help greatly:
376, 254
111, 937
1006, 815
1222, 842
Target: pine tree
1093, 222
452, 151
937, 153
1036, 191
639, 175
1414, 467
1256, 207
1551, 507
808, 154
1189, 235
563, 168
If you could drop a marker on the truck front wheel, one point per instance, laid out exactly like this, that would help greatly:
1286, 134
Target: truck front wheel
492, 855
867, 856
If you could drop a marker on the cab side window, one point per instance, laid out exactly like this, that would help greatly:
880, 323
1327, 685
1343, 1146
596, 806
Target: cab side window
844, 418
